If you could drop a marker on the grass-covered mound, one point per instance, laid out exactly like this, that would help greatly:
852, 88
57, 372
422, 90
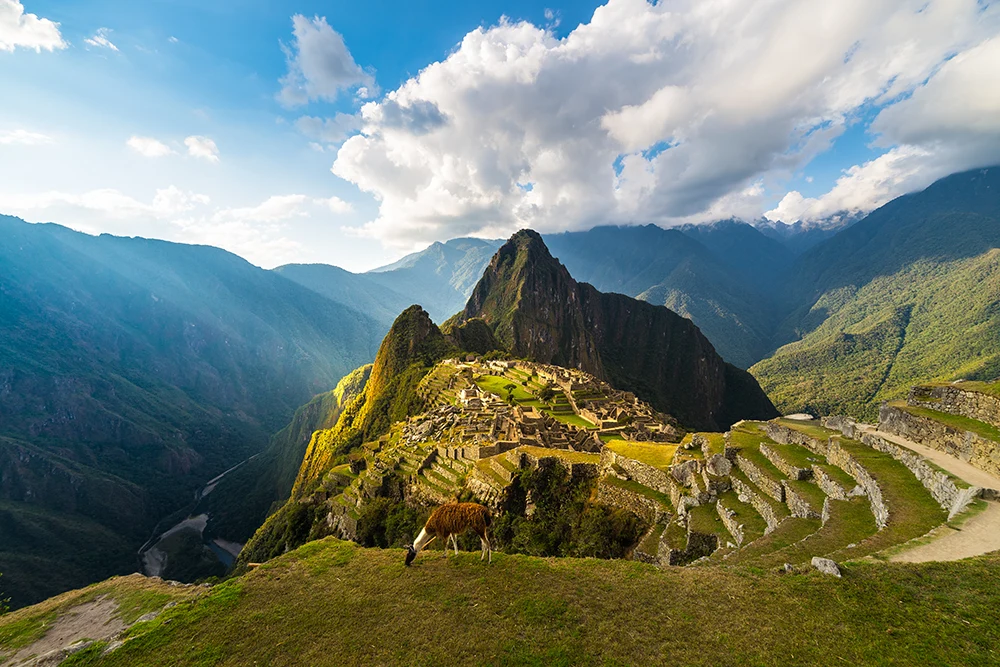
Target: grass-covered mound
333, 603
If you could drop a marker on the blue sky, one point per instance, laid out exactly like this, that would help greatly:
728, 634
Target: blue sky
167, 119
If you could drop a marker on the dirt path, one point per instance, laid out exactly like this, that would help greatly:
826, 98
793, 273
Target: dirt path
976, 536
95, 620
956, 467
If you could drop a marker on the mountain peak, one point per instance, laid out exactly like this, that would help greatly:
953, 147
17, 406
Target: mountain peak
537, 311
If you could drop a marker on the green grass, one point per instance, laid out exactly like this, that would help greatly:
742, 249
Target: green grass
813, 429
780, 509
988, 388
135, 596
651, 542
655, 454
569, 418
788, 532
912, 510
958, 422
637, 488
839, 476
564, 454
796, 455
850, 522
753, 525
333, 603
809, 491
705, 519
497, 385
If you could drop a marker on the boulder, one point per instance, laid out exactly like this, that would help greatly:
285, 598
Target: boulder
826, 566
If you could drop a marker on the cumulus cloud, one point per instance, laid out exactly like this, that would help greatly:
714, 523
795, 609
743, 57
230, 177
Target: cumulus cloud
319, 64
335, 205
329, 130
100, 40
148, 146
27, 30
949, 124
202, 147
23, 137
663, 112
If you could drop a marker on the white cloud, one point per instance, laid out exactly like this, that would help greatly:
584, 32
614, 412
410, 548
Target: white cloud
172, 39
100, 40
202, 147
648, 113
27, 30
949, 124
336, 205
109, 202
23, 137
148, 146
329, 130
319, 64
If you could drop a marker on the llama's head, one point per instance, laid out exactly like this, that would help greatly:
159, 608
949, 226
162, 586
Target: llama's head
411, 553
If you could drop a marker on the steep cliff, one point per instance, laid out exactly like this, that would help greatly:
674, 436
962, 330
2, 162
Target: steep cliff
538, 311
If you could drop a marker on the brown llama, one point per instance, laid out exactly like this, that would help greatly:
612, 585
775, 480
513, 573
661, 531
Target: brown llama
449, 521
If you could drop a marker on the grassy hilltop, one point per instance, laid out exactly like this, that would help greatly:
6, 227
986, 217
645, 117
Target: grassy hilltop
334, 603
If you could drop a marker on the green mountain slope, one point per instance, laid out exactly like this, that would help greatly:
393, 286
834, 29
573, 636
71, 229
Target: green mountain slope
906, 294
410, 349
538, 311
132, 371
334, 603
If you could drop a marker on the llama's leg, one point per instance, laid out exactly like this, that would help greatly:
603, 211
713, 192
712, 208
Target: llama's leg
482, 550
454, 541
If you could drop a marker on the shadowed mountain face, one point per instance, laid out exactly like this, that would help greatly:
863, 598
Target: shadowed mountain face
131, 372
538, 311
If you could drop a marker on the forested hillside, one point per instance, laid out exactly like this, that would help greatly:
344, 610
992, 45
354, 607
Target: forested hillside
131, 372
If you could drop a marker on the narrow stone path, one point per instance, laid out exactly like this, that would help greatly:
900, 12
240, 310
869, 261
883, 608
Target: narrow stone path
976, 536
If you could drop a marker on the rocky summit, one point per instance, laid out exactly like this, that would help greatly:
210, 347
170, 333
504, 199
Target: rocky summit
536, 310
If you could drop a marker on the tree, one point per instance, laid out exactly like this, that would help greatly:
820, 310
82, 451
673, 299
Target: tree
547, 394
510, 391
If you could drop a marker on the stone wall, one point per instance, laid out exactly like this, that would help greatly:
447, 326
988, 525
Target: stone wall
940, 485
734, 527
789, 436
965, 445
952, 398
642, 473
771, 487
747, 495
647, 508
829, 486
799, 506
792, 472
837, 456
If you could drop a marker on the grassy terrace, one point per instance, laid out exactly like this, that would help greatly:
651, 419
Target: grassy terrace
636, 487
655, 454
983, 429
813, 429
564, 454
333, 603
796, 455
788, 532
751, 452
753, 525
705, 519
839, 476
569, 418
850, 522
808, 490
497, 385
989, 388
912, 510
651, 542
780, 509
487, 471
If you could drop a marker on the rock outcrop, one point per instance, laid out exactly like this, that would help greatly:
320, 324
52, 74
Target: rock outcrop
538, 311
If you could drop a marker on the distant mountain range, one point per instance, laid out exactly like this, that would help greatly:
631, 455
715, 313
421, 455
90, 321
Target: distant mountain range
133, 371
